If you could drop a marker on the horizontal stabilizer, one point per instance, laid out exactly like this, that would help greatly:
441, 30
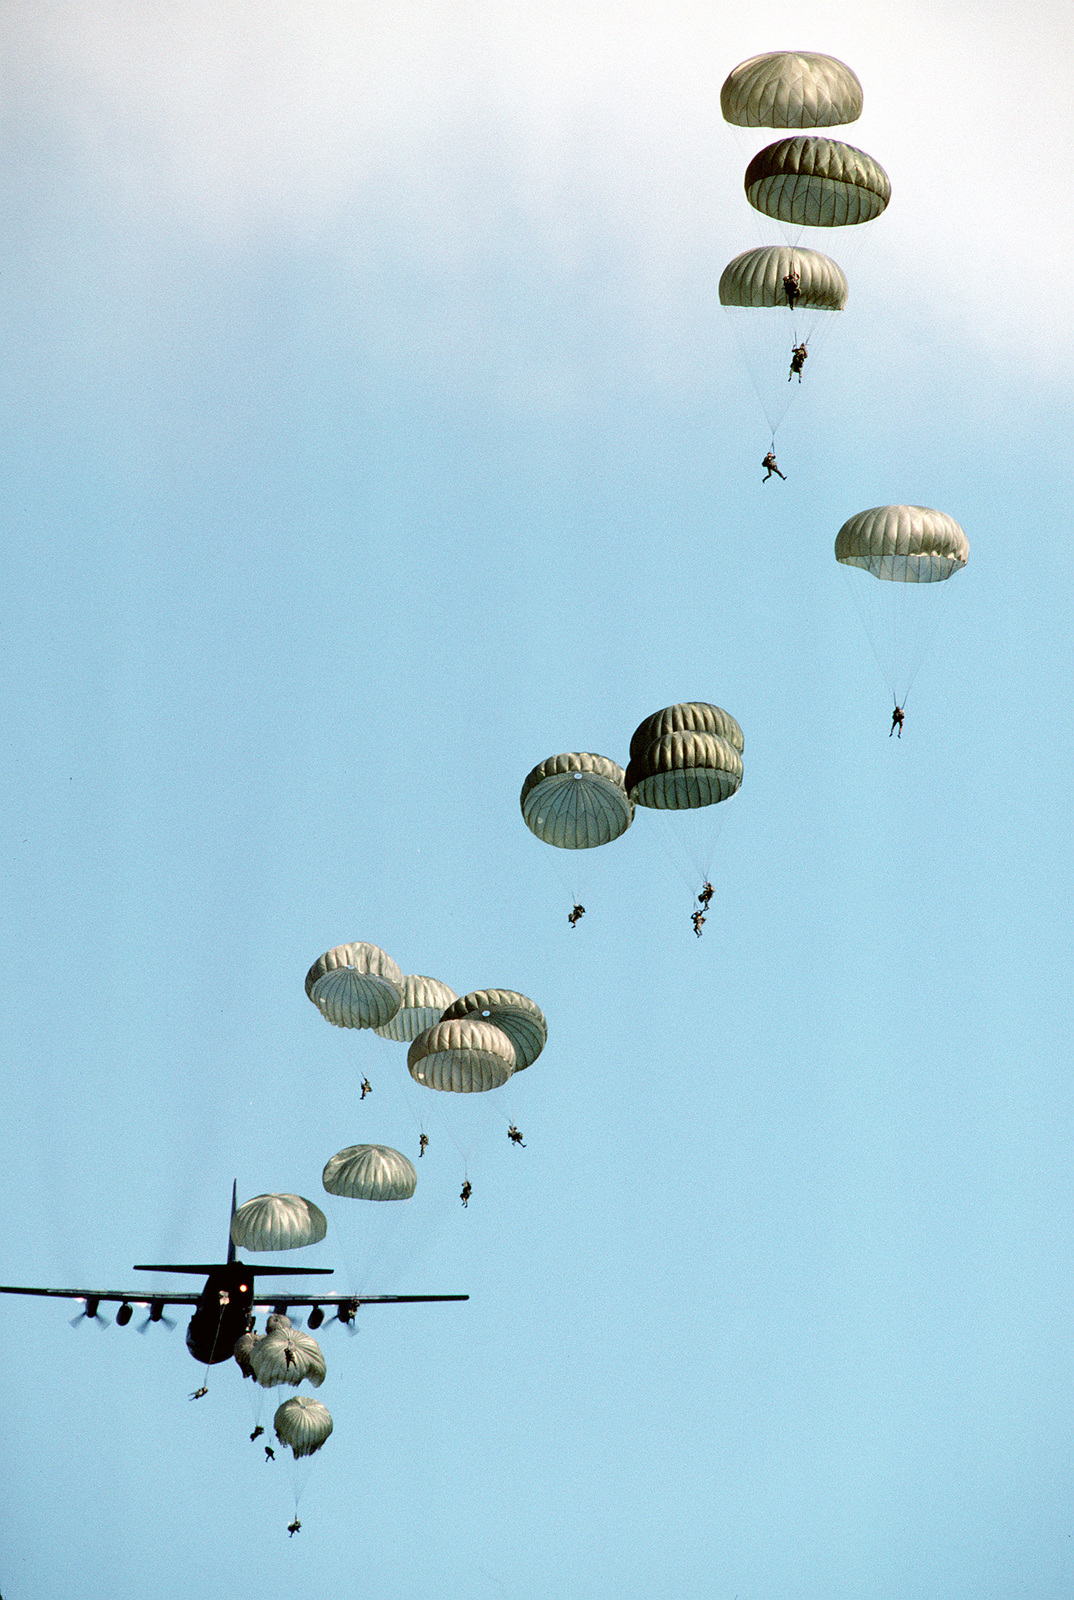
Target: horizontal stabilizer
203, 1270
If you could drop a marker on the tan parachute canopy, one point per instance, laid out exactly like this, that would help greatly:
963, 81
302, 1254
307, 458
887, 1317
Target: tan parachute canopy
576, 801
467, 1055
755, 279
685, 756
370, 1172
906, 544
277, 1222
287, 1356
243, 1346
302, 1423
521, 1019
817, 182
355, 986
423, 1004
690, 716
791, 89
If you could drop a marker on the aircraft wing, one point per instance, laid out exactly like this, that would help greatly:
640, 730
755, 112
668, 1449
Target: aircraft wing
133, 1297
139, 1297
263, 1301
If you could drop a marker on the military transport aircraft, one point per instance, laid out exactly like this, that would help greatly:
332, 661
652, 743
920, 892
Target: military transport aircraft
223, 1311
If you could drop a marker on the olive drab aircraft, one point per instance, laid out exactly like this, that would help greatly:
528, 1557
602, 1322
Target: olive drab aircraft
224, 1307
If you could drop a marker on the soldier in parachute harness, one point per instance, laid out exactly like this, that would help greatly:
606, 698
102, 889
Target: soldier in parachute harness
514, 1135
898, 717
798, 361
367, 1087
698, 920
576, 915
770, 462
707, 892
465, 1193
293, 1527
790, 287
423, 1144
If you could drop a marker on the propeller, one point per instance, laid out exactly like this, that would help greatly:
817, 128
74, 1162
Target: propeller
348, 1315
90, 1309
156, 1314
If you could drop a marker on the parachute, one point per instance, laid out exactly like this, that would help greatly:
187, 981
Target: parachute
803, 180
766, 327
481, 1041
818, 183
277, 1222
303, 1424
243, 1347
686, 756
372, 1234
754, 280
576, 801
466, 1055
287, 1356
370, 1172
424, 1000
687, 717
520, 1018
904, 547
355, 986
791, 89
685, 770
904, 544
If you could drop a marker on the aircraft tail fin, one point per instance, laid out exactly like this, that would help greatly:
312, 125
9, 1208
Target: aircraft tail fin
234, 1208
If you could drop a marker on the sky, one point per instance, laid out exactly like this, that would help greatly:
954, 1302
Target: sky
371, 431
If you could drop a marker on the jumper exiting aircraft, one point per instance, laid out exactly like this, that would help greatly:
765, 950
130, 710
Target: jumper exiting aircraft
224, 1308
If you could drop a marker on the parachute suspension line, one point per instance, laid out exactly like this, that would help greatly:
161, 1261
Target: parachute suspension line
465, 1151
567, 883
671, 855
773, 413
418, 1121
216, 1337
900, 621
300, 1472
925, 634
691, 858
204, 1389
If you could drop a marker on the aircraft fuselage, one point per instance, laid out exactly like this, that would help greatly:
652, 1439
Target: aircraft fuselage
224, 1313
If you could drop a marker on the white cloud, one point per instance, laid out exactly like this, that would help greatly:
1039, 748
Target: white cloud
443, 143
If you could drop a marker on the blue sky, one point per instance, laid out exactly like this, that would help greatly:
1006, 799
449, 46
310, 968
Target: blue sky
371, 431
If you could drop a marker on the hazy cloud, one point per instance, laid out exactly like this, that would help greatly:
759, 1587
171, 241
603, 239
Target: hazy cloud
459, 145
